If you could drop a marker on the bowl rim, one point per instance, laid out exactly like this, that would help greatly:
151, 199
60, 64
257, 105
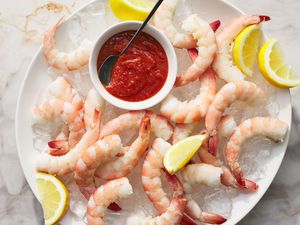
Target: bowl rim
172, 65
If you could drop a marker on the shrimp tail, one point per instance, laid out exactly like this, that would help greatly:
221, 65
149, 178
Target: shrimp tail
193, 52
114, 207
264, 18
250, 185
205, 217
87, 192
215, 25
49, 38
58, 144
213, 144
96, 119
229, 180
212, 218
58, 152
187, 220
145, 123
175, 183
58, 147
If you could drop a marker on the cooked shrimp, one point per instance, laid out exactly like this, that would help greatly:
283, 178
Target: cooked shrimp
151, 173
160, 126
62, 89
266, 126
60, 145
93, 102
61, 165
173, 213
208, 158
122, 166
63, 61
196, 109
53, 108
104, 196
227, 177
163, 20
202, 173
226, 126
99, 153
223, 64
65, 102
229, 93
207, 48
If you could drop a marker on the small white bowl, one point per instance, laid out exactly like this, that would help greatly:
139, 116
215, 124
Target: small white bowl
172, 66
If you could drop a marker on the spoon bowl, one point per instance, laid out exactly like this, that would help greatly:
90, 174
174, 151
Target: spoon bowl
106, 67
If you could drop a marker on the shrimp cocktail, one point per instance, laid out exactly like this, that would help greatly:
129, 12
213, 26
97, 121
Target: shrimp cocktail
175, 124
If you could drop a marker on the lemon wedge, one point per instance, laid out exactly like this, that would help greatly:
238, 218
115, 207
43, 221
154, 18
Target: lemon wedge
53, 196
274, 68
245, 48
182, 152
131, 9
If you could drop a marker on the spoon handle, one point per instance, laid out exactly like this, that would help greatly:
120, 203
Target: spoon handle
143, 25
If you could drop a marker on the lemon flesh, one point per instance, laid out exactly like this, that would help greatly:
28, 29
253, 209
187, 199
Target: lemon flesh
53, 197
182, 152
245, 48
274, 67
131, 9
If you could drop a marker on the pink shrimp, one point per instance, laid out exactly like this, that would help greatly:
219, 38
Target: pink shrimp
227, 178
160, 126
266, 126
92, 102
62, 61
229, 93
122, 166
223, 63
61, 165
173, 212
163, 20
104, 196
207, 48
63, 102
99, 153
195, 109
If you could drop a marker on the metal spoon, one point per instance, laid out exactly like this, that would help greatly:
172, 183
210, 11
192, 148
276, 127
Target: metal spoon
104, 72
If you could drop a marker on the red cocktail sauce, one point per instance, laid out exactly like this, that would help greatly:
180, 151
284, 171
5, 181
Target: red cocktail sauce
141, 72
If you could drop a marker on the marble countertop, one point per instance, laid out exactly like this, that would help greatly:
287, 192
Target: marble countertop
19, 39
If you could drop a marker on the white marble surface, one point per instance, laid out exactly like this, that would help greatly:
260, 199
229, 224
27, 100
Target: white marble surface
19, 21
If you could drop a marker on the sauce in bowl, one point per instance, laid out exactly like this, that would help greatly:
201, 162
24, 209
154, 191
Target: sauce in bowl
141, 72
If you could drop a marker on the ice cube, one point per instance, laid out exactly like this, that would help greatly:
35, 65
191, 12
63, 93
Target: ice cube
96, 9
80, 81
254, 157
136, 218
77, 201
12, 175
218, 202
